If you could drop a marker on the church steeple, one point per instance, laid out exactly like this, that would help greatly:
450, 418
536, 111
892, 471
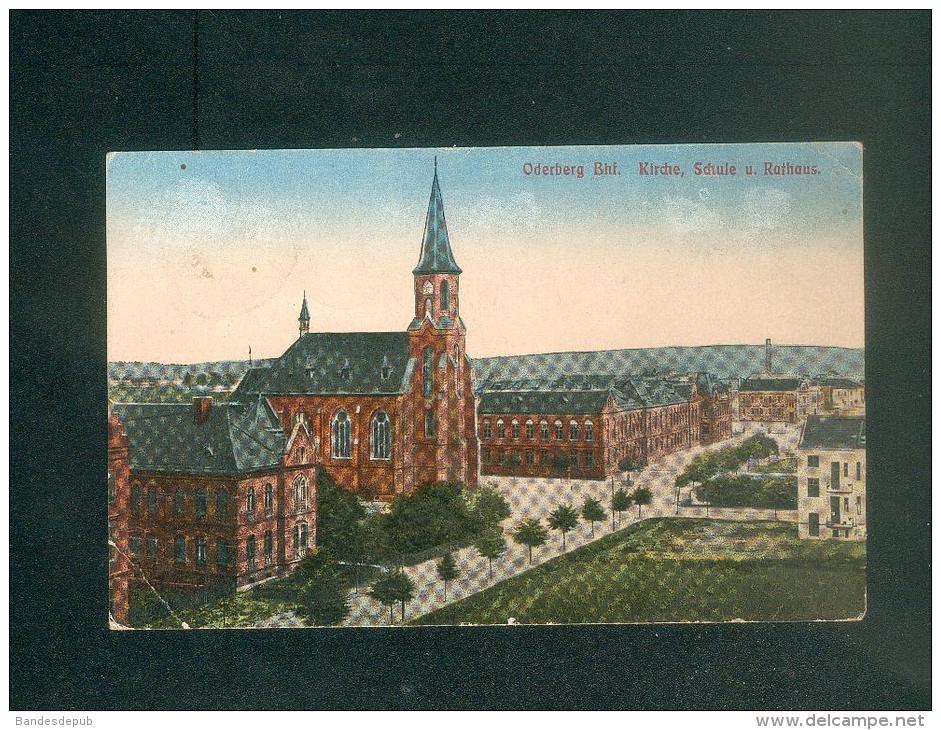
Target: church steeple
304, 318
436, 256
437, 274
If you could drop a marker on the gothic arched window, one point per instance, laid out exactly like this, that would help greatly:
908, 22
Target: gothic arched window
340, 436
573, 430
300, 492
445, 296
558, 430
381, 436
428, 371
589, 431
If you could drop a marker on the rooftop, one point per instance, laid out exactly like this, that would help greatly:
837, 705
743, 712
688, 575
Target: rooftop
834, 432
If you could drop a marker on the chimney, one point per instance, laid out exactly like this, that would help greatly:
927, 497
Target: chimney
768, 356
201, 406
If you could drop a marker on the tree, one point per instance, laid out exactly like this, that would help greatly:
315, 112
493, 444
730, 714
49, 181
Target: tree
488, 507
447, 571
491, 545
621, 502
435, 515
384, 591
593, 512
339, 518
322, 599
642, 497
563, 518
404, 589
531, 533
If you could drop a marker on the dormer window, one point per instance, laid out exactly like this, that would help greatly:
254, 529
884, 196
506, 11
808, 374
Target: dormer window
346, 372
385, 371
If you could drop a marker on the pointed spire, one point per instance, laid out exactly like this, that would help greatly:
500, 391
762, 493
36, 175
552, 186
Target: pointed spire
304, 318
436, 256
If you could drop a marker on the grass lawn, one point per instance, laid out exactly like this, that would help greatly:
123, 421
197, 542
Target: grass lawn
240, 609
670, 569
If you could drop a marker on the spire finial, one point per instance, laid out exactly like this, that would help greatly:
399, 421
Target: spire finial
436, 164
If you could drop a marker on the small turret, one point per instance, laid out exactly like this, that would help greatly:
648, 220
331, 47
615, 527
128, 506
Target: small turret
304, 318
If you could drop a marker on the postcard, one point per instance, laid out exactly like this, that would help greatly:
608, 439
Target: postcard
504, 386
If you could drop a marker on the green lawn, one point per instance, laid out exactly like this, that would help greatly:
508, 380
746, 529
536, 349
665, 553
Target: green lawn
680, 570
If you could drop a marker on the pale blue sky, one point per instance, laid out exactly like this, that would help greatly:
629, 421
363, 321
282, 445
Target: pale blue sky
236, 236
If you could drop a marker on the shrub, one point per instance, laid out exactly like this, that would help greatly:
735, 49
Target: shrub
322, 598
740, 490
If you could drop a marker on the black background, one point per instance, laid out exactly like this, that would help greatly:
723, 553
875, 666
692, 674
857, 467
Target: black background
89, 82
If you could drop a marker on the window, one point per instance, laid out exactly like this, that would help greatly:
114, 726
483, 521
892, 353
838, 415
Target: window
813, 487
300, 539
485, 455
346, 372
573, 431
340, 436
544, 430
501, 458
222, 504
501, 430
179, 549
589, 459
429, 423
135, 545
515, 429
179, 503
813, 524
530, 458
859, 471
249, 501
573, 459
269, 499
269, 547
385, 372
846, 468
152, 500
445, 296
202, 502
302, 454
381, 436
530, 429
589, 431
152, 547
428, 371
201, 550
558, 430
859, 505
135, 499
488, 431
250, 551
222, 552
544, 458
300, 493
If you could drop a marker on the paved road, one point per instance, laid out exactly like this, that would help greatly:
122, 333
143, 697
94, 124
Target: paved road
530, 497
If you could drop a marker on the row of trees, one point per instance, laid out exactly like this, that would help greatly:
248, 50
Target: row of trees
710, 464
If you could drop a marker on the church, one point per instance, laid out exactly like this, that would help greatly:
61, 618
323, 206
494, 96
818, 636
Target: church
387, 412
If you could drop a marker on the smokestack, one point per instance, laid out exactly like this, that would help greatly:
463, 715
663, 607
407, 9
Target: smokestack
768, 356
201, 406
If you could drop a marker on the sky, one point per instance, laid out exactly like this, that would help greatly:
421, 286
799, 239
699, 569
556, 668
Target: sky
209, 253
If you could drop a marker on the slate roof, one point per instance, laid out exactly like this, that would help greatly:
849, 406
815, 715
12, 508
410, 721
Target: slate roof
233, 439
839, 383
549, 402
334, 363
834, 432
436, 256
770, 384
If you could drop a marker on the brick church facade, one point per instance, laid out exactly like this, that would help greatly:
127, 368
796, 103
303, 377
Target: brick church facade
387, 411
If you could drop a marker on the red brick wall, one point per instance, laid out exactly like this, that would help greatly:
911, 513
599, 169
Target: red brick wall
119, 473
768, 406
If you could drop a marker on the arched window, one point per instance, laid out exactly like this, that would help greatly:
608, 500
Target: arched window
202, 502
501, 429
300, 493
515, 428
429, 423
558, 430
179, 502
135, 499
340, 436
530, 429
152, 500
222, 504
250, 551
269, 547
269, 499
300, 539
544, 430
445, 296
249, 501
381, 436
179, 549
589, 431
573, 431
428, 371
488, 431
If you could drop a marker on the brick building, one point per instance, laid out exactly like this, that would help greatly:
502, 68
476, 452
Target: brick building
770, 399
119, 479
715, 405
387, 411
831, 478
216, 497
582, 427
